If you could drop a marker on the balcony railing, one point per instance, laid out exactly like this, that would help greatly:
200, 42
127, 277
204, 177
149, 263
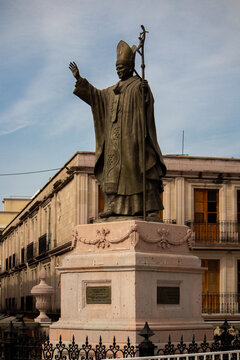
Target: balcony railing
220, 303
221, 232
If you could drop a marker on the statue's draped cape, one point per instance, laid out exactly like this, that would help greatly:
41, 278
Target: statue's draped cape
117, 113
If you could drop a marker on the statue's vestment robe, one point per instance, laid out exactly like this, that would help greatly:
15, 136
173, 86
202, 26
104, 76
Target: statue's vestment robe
117, 113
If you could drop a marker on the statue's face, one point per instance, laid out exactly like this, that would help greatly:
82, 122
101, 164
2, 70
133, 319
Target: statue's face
124, 71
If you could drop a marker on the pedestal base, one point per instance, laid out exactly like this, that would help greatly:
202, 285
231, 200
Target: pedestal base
121, 275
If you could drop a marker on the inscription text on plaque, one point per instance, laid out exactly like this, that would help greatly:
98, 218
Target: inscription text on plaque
98, 294
168, 295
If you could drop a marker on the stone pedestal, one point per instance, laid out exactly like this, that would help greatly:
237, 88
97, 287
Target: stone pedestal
122, 274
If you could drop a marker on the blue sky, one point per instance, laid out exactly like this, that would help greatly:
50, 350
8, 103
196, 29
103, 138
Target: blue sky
192, 65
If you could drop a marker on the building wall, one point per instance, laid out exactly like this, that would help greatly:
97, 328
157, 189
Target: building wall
184, 175
14, 204
11, 207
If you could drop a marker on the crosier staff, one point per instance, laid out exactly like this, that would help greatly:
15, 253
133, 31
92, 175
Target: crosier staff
140, 50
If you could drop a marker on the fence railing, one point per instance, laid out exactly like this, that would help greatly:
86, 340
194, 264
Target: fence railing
218, 355
221, 303
16, 344
221, 232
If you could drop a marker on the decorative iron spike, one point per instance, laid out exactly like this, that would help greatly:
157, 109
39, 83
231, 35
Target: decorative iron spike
225, 326
146, 332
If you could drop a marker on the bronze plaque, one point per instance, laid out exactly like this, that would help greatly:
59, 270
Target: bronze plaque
168, 295
98, 294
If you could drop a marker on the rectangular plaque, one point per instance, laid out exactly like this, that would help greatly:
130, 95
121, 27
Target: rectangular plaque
168, 295
98, 294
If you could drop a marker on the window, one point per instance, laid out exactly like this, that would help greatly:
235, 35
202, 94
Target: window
13, 303
42, 244
22, 255
29, 303
238, 214
22, 303
211, 285
206, 215
30, 252
10, 262
238, 206
46, 229
6, 264
34, 228
211, 276
14, 260
49, 224
238, 276
205, 206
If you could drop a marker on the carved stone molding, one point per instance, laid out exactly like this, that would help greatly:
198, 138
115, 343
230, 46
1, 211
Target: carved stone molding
164, 236
103, 239
165, 239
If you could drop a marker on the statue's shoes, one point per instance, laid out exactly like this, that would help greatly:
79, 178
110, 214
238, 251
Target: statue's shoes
152, 214
106, 214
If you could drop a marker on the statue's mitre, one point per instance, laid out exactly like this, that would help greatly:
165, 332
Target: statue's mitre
125, 54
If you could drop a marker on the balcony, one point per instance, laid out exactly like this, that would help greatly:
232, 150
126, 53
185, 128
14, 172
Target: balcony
223, 233
220, 303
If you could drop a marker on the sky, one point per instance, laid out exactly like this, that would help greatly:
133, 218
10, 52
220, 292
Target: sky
192, 56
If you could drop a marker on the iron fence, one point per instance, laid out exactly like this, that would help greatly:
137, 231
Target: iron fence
16, 344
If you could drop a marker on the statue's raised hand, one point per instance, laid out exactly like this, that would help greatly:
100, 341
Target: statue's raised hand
74, 69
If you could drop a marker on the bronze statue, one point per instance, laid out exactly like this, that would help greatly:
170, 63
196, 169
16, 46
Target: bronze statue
118, 113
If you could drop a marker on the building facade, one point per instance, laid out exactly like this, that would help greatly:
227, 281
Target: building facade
204, 193
11, 207
40, 235
201, 192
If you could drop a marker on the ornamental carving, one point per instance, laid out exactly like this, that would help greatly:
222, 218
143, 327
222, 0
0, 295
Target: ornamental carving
102, 240
164, 239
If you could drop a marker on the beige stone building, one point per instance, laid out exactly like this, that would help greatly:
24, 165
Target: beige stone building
201, 192
204, 193
40, 235
11, 207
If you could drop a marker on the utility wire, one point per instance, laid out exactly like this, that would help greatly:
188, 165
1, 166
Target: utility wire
29, 172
